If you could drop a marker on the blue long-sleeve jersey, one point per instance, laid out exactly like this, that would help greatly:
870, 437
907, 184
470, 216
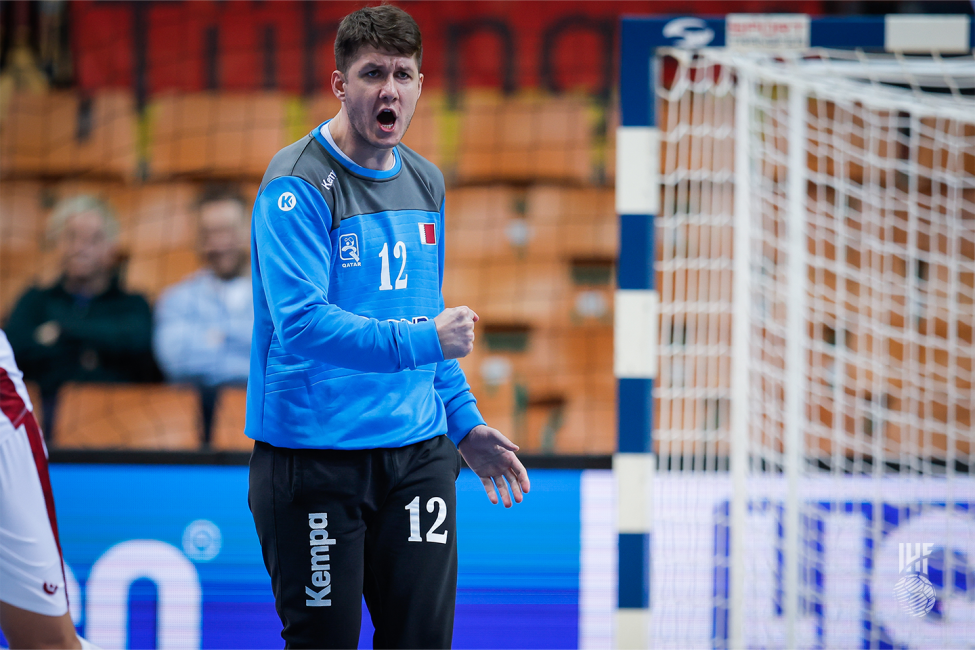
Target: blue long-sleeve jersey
347, 266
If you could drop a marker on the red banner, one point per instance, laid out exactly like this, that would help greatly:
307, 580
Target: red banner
250, 45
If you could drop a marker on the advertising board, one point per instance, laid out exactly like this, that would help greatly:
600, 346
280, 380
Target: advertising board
166, 556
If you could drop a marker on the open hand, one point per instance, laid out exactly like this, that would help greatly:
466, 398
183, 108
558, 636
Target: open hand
492, 457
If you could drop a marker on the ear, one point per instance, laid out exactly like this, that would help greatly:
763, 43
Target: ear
338, 85
419, 84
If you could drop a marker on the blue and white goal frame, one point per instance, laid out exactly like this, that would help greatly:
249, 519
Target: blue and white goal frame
637, 203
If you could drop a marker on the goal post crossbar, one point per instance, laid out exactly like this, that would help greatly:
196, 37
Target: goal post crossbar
641, 37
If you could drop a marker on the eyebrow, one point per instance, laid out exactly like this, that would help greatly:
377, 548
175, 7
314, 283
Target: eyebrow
397, 66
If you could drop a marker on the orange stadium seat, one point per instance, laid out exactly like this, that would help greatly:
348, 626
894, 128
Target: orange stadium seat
322, 106
158, 234
21, 215
228, 421
479, 223
59, 133
543, 420
216, 135
544, 222
572, 222
150, 272
151, 216
524, 139
425, 135
494, 388
128, 416
155, 216
560, 377
511, 291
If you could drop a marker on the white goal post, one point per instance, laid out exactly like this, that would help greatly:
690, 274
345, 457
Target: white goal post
813, 249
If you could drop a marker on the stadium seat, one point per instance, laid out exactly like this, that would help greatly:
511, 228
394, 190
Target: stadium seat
150, 272
228, 421
524, 139
561, 381
544, 222
511, 291
151, 216
572, 222
155, 216
128, 416
484, 222
60, 133
320, 107
216, 135
489, 375
425, 133
544, 421
21, 215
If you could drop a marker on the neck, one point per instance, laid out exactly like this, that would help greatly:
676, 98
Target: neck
90, 286
353, 146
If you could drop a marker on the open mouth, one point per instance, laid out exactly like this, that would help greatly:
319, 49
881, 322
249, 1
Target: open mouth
387, 120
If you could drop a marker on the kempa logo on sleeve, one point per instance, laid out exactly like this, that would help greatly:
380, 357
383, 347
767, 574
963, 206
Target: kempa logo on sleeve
320, 568
287, 202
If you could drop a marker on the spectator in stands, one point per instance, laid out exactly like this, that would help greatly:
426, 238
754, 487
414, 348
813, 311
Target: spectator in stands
204, 323
84, 328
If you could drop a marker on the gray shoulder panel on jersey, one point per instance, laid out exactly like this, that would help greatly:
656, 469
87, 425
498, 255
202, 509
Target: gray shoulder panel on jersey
418, 186
306, 160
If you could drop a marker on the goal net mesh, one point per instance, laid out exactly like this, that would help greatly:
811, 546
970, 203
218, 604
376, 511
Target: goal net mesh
859, 217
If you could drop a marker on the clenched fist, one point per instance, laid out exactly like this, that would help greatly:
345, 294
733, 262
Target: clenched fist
455, 327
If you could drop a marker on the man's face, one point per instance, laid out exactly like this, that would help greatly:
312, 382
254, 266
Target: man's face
223, 242
86, 250
380, 93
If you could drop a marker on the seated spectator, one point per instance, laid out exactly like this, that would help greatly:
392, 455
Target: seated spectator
204, 323
84, 328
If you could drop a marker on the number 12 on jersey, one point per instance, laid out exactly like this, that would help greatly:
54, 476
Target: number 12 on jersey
399, 250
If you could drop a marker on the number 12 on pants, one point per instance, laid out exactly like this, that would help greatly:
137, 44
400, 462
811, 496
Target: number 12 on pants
432, 536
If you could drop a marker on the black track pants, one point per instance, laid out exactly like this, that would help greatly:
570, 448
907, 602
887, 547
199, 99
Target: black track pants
335, 525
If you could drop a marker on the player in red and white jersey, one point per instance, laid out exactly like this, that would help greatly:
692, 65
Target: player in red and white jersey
33, 599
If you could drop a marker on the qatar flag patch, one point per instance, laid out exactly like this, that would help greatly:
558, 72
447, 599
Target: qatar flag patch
428, 233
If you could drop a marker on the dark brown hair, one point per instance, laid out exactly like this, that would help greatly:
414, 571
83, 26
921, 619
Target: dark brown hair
384, 27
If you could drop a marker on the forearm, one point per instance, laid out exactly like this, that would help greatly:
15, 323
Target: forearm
326, 333
459, 404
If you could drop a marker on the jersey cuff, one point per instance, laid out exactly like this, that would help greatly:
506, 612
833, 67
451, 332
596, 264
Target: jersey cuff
426, 343
461, 421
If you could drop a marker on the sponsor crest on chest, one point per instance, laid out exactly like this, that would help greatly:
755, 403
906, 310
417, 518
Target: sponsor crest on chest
349, 250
